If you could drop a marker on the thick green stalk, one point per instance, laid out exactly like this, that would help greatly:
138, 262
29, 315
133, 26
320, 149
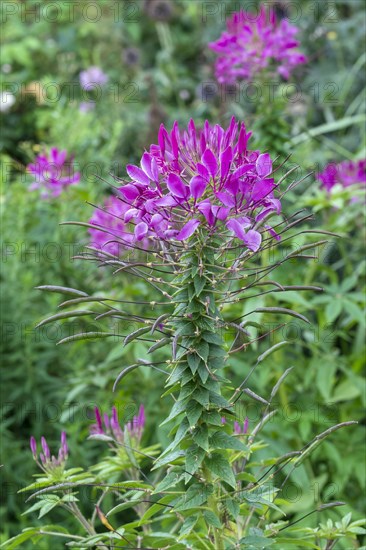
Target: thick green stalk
200, 356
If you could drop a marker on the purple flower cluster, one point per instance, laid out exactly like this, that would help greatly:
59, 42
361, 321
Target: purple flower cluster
253, 43
53, 173
238, 430
110, 425
241, 430
91, 77
48, 463
345, 173
200, 178
112, 235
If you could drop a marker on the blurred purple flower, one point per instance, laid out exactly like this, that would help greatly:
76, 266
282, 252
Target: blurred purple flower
110, 425
241, 430
112, 237
86, 106
345, 173
53, 172
91, 77
204, 178
47, 462
253, 43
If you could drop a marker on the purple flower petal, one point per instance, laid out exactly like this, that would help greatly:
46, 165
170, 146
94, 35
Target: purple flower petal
129, 191
141, 230
202, 171
177, 187
137, 174
253, 240
236, 228
210, 162
226, 199
197, 186
220, 212
149, 166
263, 165
225, 162
187, 230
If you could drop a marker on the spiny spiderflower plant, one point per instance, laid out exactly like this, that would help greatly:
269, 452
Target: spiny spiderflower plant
203, 200
53, 172
256, 43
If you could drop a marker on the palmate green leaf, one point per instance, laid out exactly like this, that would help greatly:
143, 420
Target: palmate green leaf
168, 459
194, 458
255, 541
199, 284
178, 408
161, 505
222, 440
193, 361
193, 412
200, 436
220, 466
188, 525
170, 480
195, 496
201, 395
232, 506
212, 519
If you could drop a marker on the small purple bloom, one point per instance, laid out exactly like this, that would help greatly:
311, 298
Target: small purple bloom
49, 464
238, 430
113, 428
345, 173
86, 106
254, 43
92, 77
53, 173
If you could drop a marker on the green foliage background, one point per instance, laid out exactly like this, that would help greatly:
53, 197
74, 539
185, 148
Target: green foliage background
160, 70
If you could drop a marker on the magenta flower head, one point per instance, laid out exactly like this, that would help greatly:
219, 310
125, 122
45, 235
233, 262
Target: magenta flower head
53, 173
47, 462
92, 77
205, 179
346, 173
254, 43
